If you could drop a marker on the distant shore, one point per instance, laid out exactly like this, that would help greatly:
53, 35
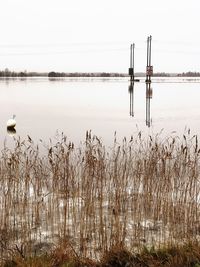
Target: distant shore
8, 73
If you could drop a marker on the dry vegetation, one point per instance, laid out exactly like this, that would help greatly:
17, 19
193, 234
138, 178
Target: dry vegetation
73, 203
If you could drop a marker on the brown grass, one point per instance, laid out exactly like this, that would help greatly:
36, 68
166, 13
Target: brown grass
187, 255
140, 192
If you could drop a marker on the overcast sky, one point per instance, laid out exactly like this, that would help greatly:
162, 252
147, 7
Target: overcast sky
91, 35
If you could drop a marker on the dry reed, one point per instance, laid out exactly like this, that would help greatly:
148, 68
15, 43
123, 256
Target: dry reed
140, 192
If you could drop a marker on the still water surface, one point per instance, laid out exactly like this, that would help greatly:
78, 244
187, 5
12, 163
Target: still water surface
44, 107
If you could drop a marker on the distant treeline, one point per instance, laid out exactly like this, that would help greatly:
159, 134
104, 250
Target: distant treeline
8, 73
53, 74
85, 74
161, 74
189, 74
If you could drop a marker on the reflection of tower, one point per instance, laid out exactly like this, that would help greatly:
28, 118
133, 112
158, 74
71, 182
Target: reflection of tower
131, 92
149, 93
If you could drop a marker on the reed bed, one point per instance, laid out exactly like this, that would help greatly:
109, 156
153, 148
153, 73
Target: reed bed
139, 192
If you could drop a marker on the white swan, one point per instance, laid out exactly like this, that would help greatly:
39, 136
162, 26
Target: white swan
11, 122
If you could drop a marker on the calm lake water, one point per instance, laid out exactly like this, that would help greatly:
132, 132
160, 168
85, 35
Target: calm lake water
45, 107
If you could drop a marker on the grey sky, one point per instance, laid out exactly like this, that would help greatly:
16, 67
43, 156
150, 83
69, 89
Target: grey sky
90, 35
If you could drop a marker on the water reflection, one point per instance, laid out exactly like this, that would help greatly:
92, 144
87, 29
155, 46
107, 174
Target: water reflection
102, 107
149, 94
131, 92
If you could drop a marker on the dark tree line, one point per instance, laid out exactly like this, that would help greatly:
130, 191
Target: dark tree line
53, 74
8, 73
161, 74
189, 74
85, 74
